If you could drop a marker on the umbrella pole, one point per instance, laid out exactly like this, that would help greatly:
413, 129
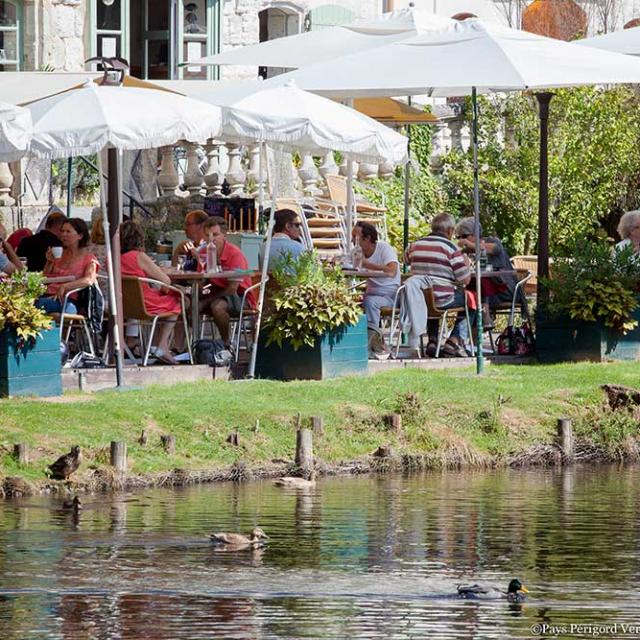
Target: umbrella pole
113, 324
476, 214
260, 185
69, 184
115, 217
263, 279
350, 203
543, 198
407, 185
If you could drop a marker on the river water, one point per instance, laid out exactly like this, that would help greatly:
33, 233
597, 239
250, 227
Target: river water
355, 558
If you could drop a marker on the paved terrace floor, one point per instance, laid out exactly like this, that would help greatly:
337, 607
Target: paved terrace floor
136, 376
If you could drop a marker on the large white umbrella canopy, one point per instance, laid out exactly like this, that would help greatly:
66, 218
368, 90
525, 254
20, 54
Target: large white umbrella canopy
463, 55
91, 117
625, 41
298, 120
15, 131
325, 44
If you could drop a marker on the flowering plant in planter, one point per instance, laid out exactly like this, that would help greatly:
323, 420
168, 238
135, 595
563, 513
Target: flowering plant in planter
307, 301
18, 312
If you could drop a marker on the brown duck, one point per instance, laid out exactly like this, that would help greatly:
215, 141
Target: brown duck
291, 482
238, 540
75, 505
67, 464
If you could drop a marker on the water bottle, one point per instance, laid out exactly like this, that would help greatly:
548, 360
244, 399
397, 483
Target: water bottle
483, 259
357, 257
212, 256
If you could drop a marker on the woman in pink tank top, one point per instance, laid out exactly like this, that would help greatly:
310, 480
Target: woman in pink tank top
135, 262
76, 263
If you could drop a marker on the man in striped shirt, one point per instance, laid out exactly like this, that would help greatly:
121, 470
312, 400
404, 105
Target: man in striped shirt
437, 256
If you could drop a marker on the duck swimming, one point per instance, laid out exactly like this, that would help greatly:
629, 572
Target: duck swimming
75, 504
516, 592
296, 483
238, 541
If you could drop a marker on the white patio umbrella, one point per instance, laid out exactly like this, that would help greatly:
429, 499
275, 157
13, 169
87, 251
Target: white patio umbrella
297, 120
15, 131
625, 41
91, 117
311, 47
310, 124
466, 58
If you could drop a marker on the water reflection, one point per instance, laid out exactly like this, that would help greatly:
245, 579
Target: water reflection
368, 557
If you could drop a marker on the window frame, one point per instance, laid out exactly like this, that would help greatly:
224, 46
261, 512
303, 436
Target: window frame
177, 39
19, 31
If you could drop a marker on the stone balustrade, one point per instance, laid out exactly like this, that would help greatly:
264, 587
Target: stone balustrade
188, 169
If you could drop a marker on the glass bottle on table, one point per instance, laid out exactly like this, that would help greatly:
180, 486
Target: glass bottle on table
357, 257
212, 257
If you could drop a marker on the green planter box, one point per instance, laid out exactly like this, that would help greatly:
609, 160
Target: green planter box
33, 369
567, 340
339, 353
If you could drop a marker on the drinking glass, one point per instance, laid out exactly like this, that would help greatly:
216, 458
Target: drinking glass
202, 259
181, 262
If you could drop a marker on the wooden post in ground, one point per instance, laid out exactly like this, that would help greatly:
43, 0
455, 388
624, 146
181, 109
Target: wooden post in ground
119, 456
393, 421
21, 452
168, 444
317, 424
565, 439
304, 450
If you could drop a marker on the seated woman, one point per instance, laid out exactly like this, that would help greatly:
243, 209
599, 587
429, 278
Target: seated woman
75, 262
498, 291
135, 262
629, 230
9, 261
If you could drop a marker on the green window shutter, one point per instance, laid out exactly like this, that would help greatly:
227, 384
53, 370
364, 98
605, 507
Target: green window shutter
330, 15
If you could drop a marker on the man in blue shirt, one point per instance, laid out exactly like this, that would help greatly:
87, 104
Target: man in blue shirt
286, 237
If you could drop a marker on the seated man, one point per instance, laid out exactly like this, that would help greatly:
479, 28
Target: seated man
225, 297
499, 260
285, 239
34, 248
193, 222
377, 256
438, 257
9, 261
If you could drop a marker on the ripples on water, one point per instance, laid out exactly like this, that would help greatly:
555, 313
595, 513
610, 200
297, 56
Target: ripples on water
357, 558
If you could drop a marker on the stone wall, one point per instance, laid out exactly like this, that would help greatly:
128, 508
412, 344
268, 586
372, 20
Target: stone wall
62, 32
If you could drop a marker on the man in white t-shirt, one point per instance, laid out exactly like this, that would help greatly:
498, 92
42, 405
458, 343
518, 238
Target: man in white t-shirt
378, 256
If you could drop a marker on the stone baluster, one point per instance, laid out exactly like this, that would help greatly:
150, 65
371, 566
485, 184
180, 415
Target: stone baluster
214, 177
455, 127
193, 179
329, 166
309, 175
236, 177
367, 171
386, 169
6, 181
168, 178
253, 172
343, 168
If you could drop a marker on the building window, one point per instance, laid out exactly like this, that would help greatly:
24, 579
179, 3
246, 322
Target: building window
10, 35
156, 36
279, 21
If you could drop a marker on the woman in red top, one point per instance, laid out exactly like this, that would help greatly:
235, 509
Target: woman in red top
76, 262
135, 262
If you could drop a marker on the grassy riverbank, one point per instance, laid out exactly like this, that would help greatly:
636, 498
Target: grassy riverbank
449, 417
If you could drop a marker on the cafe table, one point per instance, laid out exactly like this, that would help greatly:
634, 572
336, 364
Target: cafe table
195, 279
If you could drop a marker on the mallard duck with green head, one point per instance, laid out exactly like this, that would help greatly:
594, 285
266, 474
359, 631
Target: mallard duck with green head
516, 592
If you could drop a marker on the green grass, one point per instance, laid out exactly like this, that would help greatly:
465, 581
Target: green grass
506, 410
